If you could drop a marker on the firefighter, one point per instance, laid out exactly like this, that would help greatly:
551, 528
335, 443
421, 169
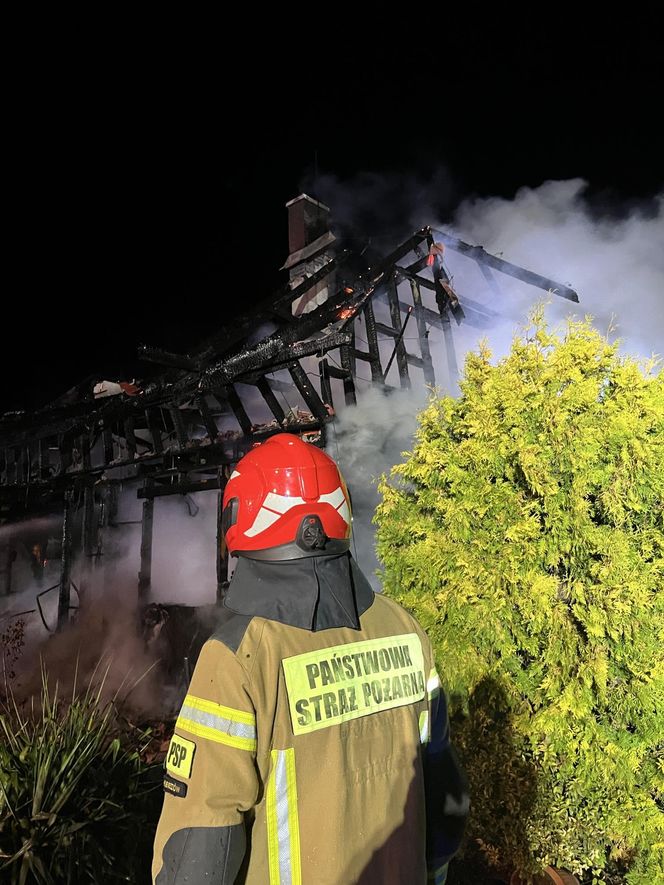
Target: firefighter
313, 744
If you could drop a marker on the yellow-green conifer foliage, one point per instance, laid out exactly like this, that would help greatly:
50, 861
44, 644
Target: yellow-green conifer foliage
526, 532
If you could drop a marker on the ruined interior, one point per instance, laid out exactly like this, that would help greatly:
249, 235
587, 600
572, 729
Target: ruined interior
289, 363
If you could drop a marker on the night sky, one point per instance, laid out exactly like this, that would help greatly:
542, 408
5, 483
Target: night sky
150, 209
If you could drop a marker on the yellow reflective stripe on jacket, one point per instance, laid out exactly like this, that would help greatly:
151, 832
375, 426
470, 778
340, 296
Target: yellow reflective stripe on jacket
235, 728
283, 827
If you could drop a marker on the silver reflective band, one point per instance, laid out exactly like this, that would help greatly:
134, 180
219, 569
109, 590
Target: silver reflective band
227, 726
433, 684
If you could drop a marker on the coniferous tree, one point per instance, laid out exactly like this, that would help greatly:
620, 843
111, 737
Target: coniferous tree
526, 532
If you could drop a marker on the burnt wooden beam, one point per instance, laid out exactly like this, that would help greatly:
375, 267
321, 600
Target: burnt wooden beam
107, 438
178, 488
400, 349
238, 408
479, 254
65, 446
130, 436
308, 392
420, 264
372, 342
42, 459
336, 372
64, 595
441, 287
165, 358
415, 360
433, 318
20, 465
386, 330
222, 549
406, 274
325, 386
209, 422
407, 246
147, 524
178, 424
450, 351
347, 365
423, 332
153, 419
488, 275
280, 348
408, 357
87, 529
265, 390
363, 355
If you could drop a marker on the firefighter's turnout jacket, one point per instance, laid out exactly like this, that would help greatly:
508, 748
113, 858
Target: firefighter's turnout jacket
312, 746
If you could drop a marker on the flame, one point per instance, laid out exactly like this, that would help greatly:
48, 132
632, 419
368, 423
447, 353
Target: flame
346, 313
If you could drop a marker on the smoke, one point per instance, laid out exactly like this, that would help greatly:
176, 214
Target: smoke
365, 441
614, 261
41, 525
616, 264
108, 633
374, 207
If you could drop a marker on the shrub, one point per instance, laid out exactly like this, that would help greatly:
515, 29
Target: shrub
526, 532
77, 803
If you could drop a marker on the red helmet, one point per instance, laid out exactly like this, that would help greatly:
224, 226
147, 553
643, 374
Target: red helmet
286, 499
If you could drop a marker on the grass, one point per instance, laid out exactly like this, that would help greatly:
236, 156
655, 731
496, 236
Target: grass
78, 803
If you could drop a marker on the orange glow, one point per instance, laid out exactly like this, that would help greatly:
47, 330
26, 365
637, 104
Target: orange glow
346, 313
348, 290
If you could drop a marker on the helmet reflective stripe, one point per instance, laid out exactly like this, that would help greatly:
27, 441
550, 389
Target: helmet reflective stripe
275, 506
264, 519
335, 498
338, 500
281, 503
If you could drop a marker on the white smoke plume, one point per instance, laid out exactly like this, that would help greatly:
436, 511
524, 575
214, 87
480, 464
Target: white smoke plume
107, 631
366, 440
614, 262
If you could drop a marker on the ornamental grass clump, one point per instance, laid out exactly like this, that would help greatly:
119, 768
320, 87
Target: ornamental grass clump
77, 802
526, 532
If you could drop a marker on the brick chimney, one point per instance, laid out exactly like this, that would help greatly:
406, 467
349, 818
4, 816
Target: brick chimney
311, 245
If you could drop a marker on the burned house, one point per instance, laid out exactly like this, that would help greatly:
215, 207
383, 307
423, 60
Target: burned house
346, 318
